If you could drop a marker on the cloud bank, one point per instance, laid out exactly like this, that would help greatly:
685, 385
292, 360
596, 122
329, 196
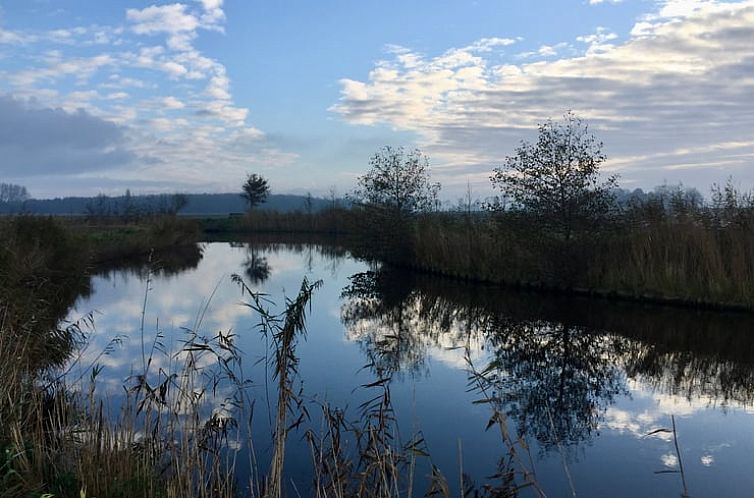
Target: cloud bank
93, 108
675, 100
36, 141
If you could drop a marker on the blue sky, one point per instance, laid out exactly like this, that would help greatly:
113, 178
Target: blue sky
161, 96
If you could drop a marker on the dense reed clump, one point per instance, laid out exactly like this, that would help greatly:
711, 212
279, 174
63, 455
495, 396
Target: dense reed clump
668, 248
42, 274
674, 246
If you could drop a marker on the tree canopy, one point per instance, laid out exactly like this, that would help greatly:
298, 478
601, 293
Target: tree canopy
398, 180
557, 178
255, 190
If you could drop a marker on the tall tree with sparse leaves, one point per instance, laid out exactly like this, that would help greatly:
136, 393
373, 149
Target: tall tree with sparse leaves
255, 190
557, 178
399, 181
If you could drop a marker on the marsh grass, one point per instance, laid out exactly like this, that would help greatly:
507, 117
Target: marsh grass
691, 260
182, 426
64, 438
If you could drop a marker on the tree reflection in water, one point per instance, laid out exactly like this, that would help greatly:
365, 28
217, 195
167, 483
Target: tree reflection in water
556, 364
256, 268
555, 379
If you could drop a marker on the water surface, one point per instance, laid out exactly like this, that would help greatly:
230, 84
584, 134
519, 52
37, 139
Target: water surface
588, 383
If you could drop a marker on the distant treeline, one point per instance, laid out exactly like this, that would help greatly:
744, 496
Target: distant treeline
195, 204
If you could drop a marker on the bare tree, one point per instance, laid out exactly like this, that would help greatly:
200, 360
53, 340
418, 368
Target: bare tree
333, 197
557, 178
10, 192
255, 190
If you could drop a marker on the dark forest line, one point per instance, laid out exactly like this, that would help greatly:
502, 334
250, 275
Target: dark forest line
128, 204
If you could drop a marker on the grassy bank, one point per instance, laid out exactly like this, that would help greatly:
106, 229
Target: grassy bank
46, 265
328, 221
113, 240
93, 241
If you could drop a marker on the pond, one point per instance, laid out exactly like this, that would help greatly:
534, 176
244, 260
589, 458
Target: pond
590, 386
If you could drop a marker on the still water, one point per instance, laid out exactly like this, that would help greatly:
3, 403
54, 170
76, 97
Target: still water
588, 383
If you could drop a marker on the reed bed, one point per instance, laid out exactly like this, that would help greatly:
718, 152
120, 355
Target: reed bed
182, 426
692, 260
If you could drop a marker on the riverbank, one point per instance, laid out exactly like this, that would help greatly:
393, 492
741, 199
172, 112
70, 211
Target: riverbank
666, 259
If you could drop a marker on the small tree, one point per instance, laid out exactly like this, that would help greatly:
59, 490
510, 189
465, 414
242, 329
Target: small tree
399, 181
557, 179
178, 201
309, 204
255, 190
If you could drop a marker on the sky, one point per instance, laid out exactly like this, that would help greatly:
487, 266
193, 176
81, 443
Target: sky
100, 96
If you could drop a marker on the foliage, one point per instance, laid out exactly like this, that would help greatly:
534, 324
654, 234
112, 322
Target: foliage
255, 190
557, 179
398, 181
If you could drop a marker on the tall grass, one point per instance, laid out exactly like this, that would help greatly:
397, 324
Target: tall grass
697, 257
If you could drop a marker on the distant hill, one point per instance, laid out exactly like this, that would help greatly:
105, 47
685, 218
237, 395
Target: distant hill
197, 204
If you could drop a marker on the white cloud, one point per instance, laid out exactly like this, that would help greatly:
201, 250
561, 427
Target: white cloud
489, 44
178, 21
684, 8
172, 18
683, 79
172, 103
81, 68
600, 36
219, 86
11, 38
194, 138
174, 69
213, 12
